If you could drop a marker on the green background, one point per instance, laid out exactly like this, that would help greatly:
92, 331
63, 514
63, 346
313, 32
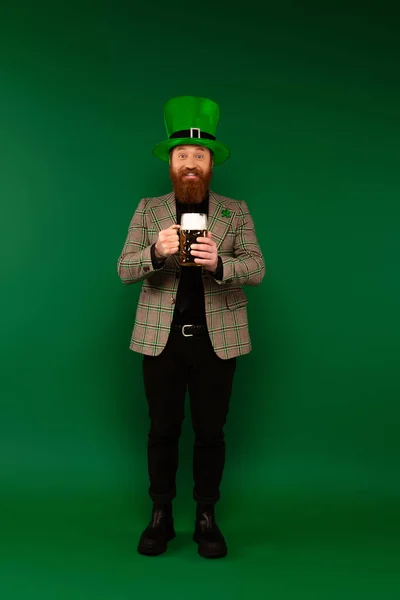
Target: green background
309, 97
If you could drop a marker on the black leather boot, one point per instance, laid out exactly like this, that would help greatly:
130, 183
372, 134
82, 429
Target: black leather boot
208, 535
154, 539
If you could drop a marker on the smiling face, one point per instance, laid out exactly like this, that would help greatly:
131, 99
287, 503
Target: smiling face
191, 172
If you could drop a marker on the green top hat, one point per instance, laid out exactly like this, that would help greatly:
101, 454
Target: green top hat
191, 120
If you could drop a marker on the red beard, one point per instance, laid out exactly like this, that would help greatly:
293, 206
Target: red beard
187, 191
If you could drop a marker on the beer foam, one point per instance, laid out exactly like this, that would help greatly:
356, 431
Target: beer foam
196, 221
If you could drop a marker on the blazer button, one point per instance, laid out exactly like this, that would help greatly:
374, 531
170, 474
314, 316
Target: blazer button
146, 269
172, 300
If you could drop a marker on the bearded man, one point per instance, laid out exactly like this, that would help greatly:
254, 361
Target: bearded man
191, 321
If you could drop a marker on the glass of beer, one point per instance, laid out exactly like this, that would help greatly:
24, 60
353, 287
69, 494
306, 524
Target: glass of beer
193, 225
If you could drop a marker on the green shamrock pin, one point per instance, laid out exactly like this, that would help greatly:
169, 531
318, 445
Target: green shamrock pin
226, 213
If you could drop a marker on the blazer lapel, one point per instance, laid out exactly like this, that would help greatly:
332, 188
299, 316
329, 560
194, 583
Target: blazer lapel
164, 213
219, 218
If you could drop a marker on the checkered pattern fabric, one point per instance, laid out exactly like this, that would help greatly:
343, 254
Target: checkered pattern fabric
233, 230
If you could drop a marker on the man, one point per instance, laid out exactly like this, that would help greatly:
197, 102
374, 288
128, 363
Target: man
191, 321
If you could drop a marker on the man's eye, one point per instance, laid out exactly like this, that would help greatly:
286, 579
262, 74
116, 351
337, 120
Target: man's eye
200, 156
181, 155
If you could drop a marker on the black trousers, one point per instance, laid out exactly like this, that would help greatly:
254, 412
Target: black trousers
187, 363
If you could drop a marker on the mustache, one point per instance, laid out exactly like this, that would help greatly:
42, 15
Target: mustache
186, 171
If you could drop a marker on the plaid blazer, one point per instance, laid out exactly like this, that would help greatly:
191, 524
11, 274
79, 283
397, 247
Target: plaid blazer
233, 230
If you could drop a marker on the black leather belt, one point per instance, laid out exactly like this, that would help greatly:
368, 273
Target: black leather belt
189, 330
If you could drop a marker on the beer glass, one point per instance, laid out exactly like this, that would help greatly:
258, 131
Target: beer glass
193, 225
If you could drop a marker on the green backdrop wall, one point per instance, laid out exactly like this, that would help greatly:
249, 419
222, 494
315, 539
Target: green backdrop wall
309, 99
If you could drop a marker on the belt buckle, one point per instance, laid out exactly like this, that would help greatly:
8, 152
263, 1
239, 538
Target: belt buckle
186, 334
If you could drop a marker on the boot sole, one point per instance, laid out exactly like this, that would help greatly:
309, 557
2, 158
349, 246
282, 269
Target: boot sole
154, 549
207, 551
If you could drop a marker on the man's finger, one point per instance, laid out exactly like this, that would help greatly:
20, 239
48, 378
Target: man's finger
201, 247
206, 255
171, 235
204, 240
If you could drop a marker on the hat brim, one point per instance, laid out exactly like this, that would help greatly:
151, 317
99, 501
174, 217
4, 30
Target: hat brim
220, 152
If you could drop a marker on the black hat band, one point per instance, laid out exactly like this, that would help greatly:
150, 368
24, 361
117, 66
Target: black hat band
193, 132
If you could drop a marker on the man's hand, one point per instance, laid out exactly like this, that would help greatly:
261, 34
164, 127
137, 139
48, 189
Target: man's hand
206, 251
167, 242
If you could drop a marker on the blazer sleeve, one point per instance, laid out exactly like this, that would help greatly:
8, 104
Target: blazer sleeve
246, 267
135, 262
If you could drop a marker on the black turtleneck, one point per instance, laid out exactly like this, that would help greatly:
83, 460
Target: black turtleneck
190, 305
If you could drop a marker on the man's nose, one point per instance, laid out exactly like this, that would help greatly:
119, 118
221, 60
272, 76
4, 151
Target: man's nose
190, 162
